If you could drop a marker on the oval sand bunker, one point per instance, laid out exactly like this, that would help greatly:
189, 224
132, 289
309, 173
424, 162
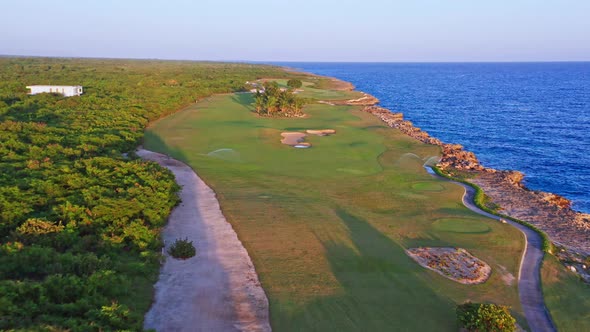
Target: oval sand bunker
293, 138
321, 132
454, 263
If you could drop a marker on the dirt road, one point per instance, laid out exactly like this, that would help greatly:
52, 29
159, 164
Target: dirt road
218, 289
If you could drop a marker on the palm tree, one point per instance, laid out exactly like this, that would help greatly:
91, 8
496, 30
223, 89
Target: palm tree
271, 104
297, 105
284, 102
259, 102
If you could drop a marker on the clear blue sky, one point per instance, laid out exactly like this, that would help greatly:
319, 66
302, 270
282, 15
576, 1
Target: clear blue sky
303, 30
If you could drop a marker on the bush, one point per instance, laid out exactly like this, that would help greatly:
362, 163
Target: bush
294, 83
484, 317
182, 249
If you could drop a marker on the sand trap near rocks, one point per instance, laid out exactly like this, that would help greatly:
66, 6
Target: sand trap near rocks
454, 263
218, 289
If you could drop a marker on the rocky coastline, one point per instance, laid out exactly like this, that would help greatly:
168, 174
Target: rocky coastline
551, 213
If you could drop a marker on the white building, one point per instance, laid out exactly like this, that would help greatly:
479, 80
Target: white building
66, 90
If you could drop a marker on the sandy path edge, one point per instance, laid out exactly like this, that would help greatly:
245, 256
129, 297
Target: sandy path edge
218, 289
529, 275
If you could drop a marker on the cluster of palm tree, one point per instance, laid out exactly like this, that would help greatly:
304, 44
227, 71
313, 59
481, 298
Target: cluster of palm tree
276, 101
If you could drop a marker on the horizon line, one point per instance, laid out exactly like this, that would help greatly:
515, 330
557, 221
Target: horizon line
293, 61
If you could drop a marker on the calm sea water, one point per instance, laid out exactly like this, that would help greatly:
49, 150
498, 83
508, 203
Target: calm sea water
531, 117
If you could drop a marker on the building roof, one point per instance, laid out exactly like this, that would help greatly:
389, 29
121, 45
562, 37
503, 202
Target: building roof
54, 86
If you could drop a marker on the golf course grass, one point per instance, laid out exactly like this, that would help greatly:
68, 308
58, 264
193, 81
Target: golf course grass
460, 225
327, 226
566, 297
428, 186
310, 91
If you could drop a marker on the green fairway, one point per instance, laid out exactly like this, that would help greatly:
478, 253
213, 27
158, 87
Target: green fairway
461, 225
327, 226
428, 186
566, 297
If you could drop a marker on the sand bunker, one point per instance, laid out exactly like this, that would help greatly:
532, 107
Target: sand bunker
292, 138
296, 138
321, 132
454, 263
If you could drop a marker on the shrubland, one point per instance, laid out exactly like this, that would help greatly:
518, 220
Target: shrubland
79, 215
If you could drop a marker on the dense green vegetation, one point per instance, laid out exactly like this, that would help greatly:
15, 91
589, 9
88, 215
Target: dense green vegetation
79, 220
277, 101
294, 83
485, 317
326, 227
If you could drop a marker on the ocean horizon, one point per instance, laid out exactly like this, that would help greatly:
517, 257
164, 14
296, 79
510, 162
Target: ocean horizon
531, 117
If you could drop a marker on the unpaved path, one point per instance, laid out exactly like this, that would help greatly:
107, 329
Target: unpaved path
529, 276
218, 289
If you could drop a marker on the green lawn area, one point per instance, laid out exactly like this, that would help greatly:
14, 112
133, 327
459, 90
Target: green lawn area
566, 297
309, 91
327, 226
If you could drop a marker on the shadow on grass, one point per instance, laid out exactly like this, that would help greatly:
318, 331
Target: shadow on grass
154, 142
244, 99
381, 289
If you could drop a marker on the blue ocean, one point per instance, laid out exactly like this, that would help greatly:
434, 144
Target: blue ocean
531, 117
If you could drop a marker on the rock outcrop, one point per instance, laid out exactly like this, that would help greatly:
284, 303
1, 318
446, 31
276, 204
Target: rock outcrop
365, 100
453, 155
549, 212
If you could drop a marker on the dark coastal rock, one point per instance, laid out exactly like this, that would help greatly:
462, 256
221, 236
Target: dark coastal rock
557, 200
549, 212
515, 178
453, 155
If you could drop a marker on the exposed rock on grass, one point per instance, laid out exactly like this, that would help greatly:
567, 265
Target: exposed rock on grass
454, 263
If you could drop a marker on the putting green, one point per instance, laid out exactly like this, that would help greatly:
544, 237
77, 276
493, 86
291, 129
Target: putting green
428, 186
460, 225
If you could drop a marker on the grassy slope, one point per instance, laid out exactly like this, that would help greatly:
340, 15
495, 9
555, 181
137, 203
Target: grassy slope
327, 227
566, 297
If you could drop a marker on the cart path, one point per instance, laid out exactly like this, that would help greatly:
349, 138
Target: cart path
218, 289
529, 275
